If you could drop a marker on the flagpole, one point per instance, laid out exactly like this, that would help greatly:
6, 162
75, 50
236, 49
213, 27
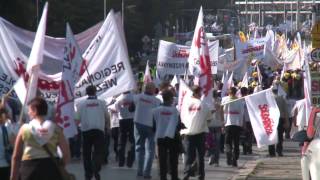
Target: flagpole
25, 100
223, 104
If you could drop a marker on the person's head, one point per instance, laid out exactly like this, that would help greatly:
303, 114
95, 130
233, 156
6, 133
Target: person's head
244, 91
37, 107
150, 88
167, 97
275, 90
3, 115
164, 85
91, 90
196, 91
215, 93
232, 91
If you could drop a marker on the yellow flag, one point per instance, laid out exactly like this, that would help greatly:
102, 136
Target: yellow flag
242, 37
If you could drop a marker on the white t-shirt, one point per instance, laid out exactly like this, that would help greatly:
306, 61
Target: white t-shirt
122, 105
114, 118
92, 114
194, 116
217, 120
166, 118
3, 162
301, 120
143, 108
233, 112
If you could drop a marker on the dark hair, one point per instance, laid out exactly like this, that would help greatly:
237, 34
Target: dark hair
196, 89
233, 91
91, 90
3, 111
244, 91
39, 105
167, 95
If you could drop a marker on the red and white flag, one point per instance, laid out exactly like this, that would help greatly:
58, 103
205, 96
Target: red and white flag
147, 75
36, 56
70, 74
185, 94
199, 58
264, 116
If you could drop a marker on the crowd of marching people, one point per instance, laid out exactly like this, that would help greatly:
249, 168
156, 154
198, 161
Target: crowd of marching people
146, 124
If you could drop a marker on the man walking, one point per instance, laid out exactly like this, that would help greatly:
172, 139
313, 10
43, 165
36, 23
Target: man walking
194, 116
143, 132
233, 121
93, 116
122, 105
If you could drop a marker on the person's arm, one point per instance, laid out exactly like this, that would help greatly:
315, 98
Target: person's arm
63, 144
17, 155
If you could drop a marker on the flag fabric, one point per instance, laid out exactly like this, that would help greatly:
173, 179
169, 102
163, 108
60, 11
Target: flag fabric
227, 84
244, 82
21, 89
175, 80
264, 117
36, 56
64, 116
184, 94
242, 37
199, 58
259, 75
147, 75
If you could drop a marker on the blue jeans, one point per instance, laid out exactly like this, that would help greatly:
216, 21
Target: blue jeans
145, 148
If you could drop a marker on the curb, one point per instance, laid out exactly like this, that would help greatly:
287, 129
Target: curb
246, 170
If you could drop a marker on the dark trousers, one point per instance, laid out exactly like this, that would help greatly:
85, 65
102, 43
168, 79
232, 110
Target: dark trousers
75, 146
168, 150
93, 152
247, 141
193, 144
38, 169
5, 173
272, 149
232, 138
126, 134
115, 137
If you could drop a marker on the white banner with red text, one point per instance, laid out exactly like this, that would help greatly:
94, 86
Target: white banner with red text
264, 117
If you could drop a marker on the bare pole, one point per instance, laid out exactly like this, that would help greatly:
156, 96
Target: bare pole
104, 9
122, 9
298, 16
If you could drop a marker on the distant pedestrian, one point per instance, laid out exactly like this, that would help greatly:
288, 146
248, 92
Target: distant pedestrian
93, 116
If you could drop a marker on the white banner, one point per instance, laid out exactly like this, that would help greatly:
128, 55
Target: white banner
71, 66
107, 59
264, 116
173, 58
252, 49
185, 93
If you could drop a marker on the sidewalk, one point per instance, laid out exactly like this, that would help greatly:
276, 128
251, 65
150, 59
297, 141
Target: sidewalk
279, 168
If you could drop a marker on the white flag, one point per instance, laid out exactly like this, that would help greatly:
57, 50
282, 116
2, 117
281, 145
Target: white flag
21, 89
184, 94
244, 82
36, 56
227, 84
64, 116
264, 116
147, 75
175, 80
199, 58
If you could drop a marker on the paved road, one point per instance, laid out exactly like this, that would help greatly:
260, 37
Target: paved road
112, 172
283, 168
279, 168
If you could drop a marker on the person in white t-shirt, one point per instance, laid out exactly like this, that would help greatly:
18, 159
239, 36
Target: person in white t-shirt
167, 127
123, 102
114, 125
194, 116
233, 122
93, 116
143, 132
